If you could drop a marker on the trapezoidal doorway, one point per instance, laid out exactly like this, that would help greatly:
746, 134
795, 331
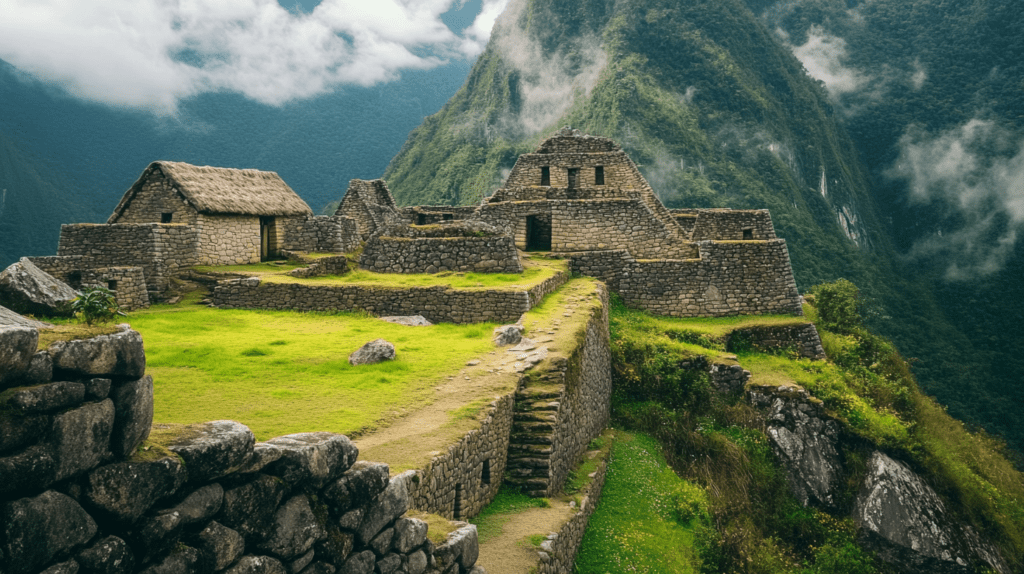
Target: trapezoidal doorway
268, 238
538, 233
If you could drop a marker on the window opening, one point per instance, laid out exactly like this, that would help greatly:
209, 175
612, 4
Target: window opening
421, 219
538, 233
748, 234
599, 175
545, 175
485, 476
112, 285
166, 217
574, 176
447, 217
457, 508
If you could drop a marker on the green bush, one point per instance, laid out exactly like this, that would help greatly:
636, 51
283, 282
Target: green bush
96, 304
838, 306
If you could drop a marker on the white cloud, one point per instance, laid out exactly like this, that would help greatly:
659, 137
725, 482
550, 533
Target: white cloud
150, 54
822, 56
976, 171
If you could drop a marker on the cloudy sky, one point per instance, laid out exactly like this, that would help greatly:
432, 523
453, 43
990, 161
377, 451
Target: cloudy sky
150, 54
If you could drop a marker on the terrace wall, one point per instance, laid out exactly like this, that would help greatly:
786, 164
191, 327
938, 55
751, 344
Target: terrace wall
79, 494
558, 552
438, 254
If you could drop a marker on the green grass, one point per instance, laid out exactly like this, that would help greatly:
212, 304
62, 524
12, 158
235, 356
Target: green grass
253, 269
635, 529
283, 372
506, 504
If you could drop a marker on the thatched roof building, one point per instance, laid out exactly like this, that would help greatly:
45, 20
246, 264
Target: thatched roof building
220, 190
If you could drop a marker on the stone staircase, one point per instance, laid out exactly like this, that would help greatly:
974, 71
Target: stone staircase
533, 431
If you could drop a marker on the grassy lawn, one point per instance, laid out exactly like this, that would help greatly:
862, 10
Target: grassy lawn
634, 528
283, 372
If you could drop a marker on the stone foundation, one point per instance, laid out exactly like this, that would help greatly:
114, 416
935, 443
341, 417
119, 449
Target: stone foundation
802, 339
128, 283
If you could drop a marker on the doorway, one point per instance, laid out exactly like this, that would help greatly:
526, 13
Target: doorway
268, 238
538, 233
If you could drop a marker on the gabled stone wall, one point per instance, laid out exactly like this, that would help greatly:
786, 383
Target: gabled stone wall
726, 224
156, 197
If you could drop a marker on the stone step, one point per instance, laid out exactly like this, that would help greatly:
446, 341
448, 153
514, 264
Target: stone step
532, 427
529, 484
540, 405
528, 472
532, 438
533, 394
530, 450
528, 461
542, 416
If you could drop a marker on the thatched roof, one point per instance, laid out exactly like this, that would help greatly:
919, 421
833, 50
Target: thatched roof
223, 190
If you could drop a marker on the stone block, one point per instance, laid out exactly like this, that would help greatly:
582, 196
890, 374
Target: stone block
221, 545
361, 563
409, 534
110, 555
319, 568
300, 563
25, 288
133, 406
97, 389
37, 529
250, 508
17, 346
388, 506
33, 469
184, 560
376, 351
17, 432
119, 355
40, 369
80, 438
43, 398
312, 458
357, 486
214, 449
125, 491
257, 565
295, 529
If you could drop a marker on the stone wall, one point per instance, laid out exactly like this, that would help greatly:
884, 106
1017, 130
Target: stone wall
730, 278
802, 339
431, 214
370, 204
332, 265
438, 254
558, 552
228, 239
128, 283
160, 249
438, 304
80, 493
320, 233
461, 482
157, 197
726, 224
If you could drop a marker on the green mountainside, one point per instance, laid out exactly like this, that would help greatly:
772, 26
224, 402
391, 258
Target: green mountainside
717, 112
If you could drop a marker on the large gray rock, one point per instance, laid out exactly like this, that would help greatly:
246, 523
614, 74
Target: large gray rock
221, 545
408, 320
118, 355
257, 565
314, 458
110, 555
295, 530
35, 530
409, 534
12, 319
30, 470
40, 369
336, 547
69, 567
262, 455
44, 398
25, 288
388, 506
201, 505
249, 508
17, 345
214, 449
125, 491
806, 441
462, 547
81, 438
184, 560
20, 431
389, 564
361, 563
416, 563
376, 351
906, 523
506, 335
155, 536
133, 407
359, 485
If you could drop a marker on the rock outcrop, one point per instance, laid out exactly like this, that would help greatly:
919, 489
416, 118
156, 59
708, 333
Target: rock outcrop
25, 288
373, 352
10, 318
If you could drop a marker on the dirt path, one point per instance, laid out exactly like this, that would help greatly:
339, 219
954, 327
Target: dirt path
510, 552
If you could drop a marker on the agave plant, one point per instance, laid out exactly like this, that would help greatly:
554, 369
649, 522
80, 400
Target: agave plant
96, 304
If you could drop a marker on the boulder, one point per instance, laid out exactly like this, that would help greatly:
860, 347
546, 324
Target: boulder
409, 534
97, 389
32, 469
40, 369
17, 345
214, 449
81, 438
155, 536
37, 529
257, 565
408, 320
262, 455
221, 545
295, 529
184, 560
381, 543
388, 506
416, 563
461, 547
376, 351
508, 335
319, 568
125, 491
20, 431
300, 563
806, 441
12, 319
201, 505
110, 555
336, 547
359, 485
361, 563
389, 564
44, 398
250, 508
906, 523
133, 415
118, 355
69, 567
314, 458
25, 288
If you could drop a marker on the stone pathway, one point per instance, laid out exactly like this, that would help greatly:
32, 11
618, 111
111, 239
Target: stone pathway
510, 552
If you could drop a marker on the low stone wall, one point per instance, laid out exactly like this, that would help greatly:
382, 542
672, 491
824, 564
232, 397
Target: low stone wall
730, 278
437, 304
128, 283
321, 233
79, 493
333, 265
439, 254
803, 339
558, 552
461, 482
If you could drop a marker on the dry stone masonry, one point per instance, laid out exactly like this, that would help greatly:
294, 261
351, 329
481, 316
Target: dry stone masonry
82, 492
464, 246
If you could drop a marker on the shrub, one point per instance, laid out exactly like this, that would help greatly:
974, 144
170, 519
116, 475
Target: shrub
96, 304
838, 306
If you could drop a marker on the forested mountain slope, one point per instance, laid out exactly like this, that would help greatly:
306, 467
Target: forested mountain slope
718, 112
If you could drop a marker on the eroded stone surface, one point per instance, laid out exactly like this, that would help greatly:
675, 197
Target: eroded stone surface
119, 355
249, 508
213, 449
357, 486
221, 544
126, 490
315, 458
295, 529
25, 288
376, 351
389, 505
110, 555
39, 528
17, 345
508, 335
133, 408
257, 565
81, 438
